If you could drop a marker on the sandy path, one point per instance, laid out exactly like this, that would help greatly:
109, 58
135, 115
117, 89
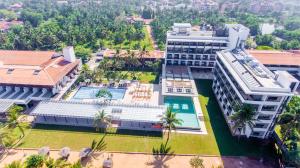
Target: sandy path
126, 160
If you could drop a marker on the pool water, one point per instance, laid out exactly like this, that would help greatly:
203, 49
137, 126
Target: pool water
184, 107
90, 93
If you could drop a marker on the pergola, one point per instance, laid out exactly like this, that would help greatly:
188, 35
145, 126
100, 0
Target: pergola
86, 112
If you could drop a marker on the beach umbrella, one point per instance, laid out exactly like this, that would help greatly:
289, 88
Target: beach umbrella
107, 163
85, 152
44, 151
65, 152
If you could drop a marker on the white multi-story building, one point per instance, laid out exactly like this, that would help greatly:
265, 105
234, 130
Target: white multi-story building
197, 48
192, 54
240, 79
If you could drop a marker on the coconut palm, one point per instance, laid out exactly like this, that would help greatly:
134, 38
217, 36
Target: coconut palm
170, 121
13, 116
244, 116
58, 163
104, 93
95, 147
15, 164
101, 120
290, 119
76, 165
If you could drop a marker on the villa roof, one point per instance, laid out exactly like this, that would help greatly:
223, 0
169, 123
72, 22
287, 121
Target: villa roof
35, 68
277, 57
156, 54
75, 109
5, 25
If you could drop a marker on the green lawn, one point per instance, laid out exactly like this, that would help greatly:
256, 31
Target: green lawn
217, 142
142, 76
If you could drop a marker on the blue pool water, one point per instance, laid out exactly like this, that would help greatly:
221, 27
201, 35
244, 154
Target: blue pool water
184, 107
90, 93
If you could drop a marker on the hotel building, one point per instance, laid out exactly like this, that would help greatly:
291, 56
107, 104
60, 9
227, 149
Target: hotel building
280, 60
197, 48
192, 54
240, 79
36, 75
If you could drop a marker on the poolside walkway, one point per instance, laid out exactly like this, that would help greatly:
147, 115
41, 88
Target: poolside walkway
129, 160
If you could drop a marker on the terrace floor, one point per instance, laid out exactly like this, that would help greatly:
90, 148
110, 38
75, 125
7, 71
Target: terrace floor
218, 141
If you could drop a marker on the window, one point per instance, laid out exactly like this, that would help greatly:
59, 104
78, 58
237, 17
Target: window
169, 56
179, 90
188, 90
183, 56
261, 125
268, 108
264, 117
273, 98
36, 72
10, 70
170, 90
116, 110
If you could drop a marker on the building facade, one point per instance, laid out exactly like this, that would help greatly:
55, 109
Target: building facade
197, 48
28, 75
240, 79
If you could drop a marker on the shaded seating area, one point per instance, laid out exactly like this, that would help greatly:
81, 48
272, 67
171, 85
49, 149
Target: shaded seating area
44, 151
65, 153
126, 116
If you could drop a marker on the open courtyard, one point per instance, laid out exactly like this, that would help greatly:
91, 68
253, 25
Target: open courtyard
217, 142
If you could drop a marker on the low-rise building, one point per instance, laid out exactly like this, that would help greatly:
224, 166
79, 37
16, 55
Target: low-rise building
280, 60
123, 116
6, 25
28, 75
240, 79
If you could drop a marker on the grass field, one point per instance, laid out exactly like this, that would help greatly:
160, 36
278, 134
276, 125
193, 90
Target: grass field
142, 76
218, 141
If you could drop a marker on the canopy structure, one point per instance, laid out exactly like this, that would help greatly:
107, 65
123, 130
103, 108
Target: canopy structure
117, 111
44, 151
5, 105
65, 152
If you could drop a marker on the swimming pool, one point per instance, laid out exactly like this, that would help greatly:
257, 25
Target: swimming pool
86, 92
184, 107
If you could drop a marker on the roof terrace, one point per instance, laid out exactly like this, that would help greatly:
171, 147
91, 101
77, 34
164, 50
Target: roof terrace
251, 74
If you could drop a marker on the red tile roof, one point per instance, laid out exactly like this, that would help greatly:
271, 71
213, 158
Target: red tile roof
5, 25
25, 63
277, 57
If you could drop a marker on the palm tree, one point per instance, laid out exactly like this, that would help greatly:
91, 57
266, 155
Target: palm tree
290, 119
170, 121
105, 93
58, 163
13, 116
15, 164
95, 147
76, 165
101, 120
243, 116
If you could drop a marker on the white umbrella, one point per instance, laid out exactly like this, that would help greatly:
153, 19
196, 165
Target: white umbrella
107, 163
44, 151
85, 152
65, 152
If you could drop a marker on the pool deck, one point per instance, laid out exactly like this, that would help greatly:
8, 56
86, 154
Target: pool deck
200, 116
156, 99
